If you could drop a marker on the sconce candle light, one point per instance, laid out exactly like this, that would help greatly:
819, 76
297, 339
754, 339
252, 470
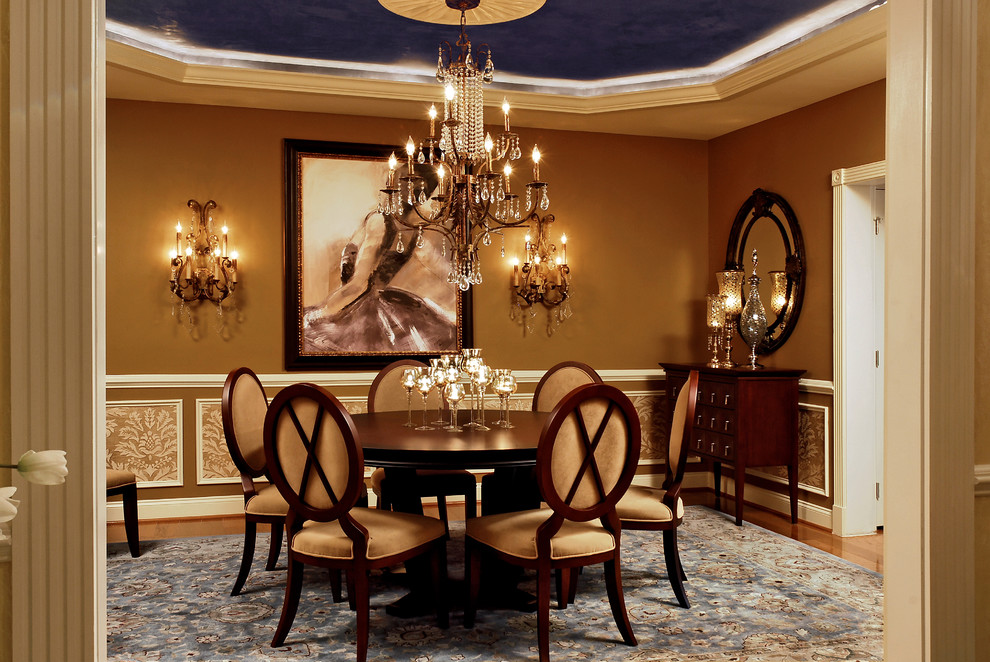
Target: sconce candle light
201, 267
544, 277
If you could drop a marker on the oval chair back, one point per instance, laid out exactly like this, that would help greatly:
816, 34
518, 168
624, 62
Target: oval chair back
588, 453
560, 380
312, 453
388, 394
242, 407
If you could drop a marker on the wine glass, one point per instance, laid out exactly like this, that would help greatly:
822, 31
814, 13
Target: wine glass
455, 393
409, 376
507, 386
497, 378
480, 380
439, 376
424, 384
471, 365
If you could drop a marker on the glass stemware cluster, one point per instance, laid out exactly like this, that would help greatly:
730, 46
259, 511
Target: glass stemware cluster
455, 377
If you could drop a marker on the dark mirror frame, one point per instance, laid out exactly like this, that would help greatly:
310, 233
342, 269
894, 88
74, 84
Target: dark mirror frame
764, 204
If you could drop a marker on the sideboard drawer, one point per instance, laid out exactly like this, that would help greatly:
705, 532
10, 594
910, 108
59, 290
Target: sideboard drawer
716, 419
716, 394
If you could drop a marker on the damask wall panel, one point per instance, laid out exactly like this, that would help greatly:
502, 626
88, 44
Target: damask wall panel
650, 407
145, 437
813, 460
213, 463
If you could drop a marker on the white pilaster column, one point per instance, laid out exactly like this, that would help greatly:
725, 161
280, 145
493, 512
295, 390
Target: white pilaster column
928, 559
57, 360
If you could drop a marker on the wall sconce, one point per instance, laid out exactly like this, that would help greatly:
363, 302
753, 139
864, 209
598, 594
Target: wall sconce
545, 276
778, 292
201, 267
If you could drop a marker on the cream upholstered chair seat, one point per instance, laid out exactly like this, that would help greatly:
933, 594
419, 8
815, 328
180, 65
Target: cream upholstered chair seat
314, 458
515, 534
124, 483
243, 405
585, 461
662, 509
119, 478
644, 504
388, 534
267, 502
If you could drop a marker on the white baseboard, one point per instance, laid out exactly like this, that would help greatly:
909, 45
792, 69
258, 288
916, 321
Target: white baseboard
176, 508
781, 503
234, 505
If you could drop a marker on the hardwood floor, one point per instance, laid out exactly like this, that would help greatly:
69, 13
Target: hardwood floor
865, 551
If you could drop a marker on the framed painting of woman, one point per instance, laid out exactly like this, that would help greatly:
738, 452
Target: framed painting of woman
360, 290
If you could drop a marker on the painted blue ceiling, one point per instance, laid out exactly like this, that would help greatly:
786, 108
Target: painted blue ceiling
577, 40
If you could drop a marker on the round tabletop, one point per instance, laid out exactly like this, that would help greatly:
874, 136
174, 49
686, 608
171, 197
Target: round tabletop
386, 443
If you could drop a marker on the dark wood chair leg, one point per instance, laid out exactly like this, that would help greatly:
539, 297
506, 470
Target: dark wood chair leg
250, 529
362, 606
275, 547
439, 567
471, 502
472, 579
563, 577
674, 570
572, 586
293, 588
442, 508
351, 596
613, 585
336, 585
129, 496
543, 613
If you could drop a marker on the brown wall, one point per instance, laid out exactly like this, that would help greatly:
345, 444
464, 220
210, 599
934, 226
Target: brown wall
635, 237
645, 238
794, 155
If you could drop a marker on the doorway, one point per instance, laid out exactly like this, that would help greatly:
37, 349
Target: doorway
858, 304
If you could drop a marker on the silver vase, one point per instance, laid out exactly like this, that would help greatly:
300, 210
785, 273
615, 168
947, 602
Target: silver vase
753, 321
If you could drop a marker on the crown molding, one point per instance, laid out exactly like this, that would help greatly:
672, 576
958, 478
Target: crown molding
243, 80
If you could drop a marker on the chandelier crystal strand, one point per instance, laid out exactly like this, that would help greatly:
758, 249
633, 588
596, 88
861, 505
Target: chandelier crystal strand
457, 180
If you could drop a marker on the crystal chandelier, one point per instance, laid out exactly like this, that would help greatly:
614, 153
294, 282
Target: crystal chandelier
458, 184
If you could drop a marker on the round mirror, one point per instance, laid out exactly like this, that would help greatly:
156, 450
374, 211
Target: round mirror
767, 224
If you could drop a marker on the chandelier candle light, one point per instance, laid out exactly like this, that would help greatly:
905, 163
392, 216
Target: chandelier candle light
201, 267
472, 198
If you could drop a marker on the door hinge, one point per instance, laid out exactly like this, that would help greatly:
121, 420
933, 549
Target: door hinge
877, 357
876, 225
878, 491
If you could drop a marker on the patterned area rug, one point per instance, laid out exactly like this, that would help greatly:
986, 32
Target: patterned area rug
755, 596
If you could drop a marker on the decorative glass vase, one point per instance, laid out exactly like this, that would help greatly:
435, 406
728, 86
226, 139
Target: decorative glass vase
753, 322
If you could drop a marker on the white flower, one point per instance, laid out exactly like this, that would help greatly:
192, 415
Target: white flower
8, 506
44, 468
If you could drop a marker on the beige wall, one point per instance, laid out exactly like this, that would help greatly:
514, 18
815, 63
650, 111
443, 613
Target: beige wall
794, 155
636, 239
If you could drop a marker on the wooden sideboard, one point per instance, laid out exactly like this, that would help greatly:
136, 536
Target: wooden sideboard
744, 418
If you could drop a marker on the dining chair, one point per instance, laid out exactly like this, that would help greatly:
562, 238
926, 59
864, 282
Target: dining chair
242, 407
560, 380
124, 483
586, 459
662, 509
387, 394
315, 460
557, 382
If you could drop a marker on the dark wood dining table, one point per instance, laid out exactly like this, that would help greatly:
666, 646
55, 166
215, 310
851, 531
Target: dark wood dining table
386, 443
